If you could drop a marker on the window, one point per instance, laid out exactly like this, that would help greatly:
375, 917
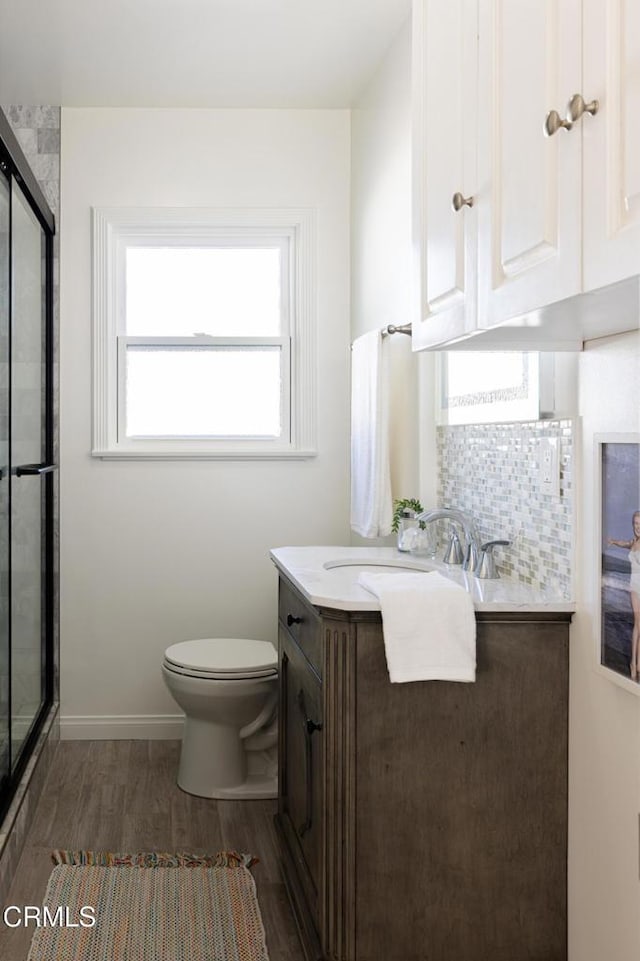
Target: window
494, 386
203, 334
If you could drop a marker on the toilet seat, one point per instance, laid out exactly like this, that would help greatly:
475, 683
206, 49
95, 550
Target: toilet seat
222, 658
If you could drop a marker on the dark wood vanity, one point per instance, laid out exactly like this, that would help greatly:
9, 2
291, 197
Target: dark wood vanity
423, 821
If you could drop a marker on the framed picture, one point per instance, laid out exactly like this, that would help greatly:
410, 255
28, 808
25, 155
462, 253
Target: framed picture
618, 473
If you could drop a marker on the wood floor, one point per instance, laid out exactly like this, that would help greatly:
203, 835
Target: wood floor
122, 796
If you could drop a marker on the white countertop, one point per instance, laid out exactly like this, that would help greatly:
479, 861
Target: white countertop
309, 568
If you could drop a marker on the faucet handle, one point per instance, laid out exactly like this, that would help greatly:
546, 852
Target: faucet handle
486, 566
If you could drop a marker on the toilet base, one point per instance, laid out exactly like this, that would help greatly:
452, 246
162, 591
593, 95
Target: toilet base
215, 762
254, 788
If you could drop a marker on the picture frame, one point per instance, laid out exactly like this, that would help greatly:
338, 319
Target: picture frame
618, 558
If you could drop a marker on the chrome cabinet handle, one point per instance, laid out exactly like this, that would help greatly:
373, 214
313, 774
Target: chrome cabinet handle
577, 107
554, 122
458, 201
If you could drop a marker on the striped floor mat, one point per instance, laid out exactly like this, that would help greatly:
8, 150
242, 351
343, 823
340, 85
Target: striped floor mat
150, 907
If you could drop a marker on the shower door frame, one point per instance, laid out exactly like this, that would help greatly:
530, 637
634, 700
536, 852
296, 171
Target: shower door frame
15, 167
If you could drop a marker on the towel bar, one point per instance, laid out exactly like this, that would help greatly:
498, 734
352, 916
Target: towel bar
392, 329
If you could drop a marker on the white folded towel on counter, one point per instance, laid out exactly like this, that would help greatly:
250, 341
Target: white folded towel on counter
429, 626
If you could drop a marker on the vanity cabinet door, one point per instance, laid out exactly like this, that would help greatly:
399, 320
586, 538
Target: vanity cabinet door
301, 804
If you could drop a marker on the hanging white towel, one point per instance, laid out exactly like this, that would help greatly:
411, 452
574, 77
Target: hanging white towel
429, 626
371, 507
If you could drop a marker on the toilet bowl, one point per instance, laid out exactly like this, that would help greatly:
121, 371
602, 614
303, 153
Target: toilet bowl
228, 690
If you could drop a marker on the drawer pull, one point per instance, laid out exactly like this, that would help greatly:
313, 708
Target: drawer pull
293, 620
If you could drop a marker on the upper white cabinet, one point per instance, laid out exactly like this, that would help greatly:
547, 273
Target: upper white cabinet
611, 141
528, 183
445, 61
553, 190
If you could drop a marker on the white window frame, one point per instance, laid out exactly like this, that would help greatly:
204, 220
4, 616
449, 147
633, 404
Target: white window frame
114, 230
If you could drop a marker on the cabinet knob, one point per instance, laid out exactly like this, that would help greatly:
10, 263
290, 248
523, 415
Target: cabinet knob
293, 620
577, 107
458, 201
554, 122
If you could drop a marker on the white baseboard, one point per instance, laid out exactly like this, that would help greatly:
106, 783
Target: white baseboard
122, 727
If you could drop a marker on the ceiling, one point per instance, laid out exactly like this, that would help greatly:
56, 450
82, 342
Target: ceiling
193, 53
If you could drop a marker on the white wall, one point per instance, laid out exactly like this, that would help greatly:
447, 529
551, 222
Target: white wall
604, 746
153, 553
382, 257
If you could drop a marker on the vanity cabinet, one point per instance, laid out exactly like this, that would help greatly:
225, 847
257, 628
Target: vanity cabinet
541, 220
424, 820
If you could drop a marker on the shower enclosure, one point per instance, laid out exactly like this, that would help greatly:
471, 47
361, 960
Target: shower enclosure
26, 462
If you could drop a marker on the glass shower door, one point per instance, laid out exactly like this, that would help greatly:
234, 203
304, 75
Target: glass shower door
5, 758
29, 469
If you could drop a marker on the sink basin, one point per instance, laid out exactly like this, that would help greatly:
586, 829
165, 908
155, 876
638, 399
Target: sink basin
387, 565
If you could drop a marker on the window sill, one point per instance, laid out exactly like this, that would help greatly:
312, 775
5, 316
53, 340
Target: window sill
204, 455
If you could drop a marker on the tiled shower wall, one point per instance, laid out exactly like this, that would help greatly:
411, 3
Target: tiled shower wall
37, 130
492, 472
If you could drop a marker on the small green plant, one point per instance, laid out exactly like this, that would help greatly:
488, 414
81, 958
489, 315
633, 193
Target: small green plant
403, 504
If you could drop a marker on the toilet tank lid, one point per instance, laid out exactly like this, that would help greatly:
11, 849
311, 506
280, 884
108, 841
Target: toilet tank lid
223, 654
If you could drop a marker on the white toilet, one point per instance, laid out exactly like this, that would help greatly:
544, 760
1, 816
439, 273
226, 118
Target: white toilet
228, 690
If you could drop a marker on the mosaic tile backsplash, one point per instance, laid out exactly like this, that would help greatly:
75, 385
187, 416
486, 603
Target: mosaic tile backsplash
492, 472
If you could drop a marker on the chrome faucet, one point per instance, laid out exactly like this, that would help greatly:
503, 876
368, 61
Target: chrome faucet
468, 527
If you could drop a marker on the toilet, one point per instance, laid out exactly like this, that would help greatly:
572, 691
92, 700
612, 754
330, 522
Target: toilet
228, 690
